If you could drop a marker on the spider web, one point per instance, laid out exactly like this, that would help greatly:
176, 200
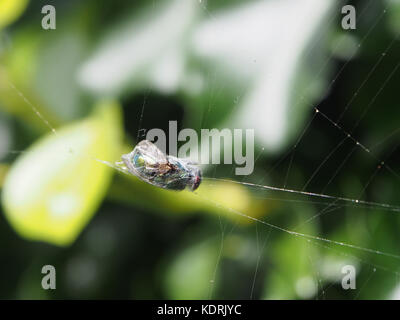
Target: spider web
330, 204
348, 135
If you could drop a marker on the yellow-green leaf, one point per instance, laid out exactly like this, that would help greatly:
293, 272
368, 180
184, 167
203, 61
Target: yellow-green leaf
10, 10
55, 187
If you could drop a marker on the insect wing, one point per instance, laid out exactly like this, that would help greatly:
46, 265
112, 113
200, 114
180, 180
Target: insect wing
147, 162
152, 156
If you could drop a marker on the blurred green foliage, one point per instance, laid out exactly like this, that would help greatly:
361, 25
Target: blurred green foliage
112, 68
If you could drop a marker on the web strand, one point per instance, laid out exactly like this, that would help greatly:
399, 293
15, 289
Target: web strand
337, 203
312, 194
303, 235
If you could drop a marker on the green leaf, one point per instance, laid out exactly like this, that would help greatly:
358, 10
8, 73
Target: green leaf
270, 78
52, 190
224, 198
296, 270
144, 49
189, 276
